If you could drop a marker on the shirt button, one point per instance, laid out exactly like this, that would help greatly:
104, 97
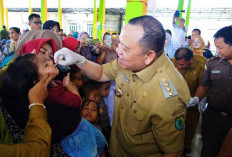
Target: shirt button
135, 111
128, 94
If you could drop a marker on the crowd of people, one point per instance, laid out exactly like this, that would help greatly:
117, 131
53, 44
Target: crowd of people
139, 93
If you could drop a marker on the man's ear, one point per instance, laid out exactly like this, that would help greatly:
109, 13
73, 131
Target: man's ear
150, 57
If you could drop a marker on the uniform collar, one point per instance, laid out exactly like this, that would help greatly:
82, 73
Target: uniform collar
147, 73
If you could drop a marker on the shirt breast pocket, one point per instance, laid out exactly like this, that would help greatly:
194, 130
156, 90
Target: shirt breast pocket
121, 84
133, 119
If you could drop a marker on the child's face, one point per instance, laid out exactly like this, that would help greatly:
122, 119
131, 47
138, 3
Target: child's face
46, 67
78, 80
90, 112
46, 52
105, 89
93, 95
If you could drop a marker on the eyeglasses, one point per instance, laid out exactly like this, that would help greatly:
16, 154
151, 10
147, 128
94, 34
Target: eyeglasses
37, 22
83, 38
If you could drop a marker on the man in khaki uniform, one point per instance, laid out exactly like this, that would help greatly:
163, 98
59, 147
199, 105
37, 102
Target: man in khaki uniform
191, 68
151, 96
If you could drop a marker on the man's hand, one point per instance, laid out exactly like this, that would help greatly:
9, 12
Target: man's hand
67, 57
193, 101
38, 93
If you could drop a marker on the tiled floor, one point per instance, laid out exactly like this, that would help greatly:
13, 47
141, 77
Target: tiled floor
197, 142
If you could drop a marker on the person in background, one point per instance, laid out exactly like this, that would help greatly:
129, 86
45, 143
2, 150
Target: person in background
191, 67
34, 21
207, 52
189, 40
169, 32
168, 47
53, 26
108, 49
90, 52
72, 44
37, 133
61, 34
4, 33
196, 32
14, 33
198, 47
10, 47
179, 31
147, 121
217, 84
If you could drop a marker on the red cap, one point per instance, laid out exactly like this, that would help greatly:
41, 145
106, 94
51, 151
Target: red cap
70, 43
36, 44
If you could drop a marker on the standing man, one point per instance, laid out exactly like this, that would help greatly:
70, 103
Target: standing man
34, 21
4, 33
196, 32
217, 82
150, 95
191, 68
179, 31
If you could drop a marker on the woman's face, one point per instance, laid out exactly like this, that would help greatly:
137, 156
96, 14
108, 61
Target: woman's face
196, 43
55, 30
83, 39
90, 112
46, 67
46, 52
14, 35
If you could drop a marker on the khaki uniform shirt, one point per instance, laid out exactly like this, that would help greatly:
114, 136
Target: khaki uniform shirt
37, 137
149, 109
193, 75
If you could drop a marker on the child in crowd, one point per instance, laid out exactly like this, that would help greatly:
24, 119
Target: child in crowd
64, 94
76, 76
96, 91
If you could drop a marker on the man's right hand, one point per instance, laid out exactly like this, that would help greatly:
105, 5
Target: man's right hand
38, 93
193, 101
67, 57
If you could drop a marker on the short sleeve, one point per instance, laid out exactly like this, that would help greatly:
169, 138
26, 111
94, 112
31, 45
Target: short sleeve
111, 69
168, 126
206, 82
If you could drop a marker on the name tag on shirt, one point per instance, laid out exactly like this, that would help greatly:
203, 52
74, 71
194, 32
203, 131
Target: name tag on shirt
216, 71
125, 78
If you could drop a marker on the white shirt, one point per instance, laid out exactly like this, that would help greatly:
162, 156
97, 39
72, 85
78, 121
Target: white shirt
179, 34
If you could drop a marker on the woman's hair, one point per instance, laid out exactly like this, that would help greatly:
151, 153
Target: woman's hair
17, 30
20, 76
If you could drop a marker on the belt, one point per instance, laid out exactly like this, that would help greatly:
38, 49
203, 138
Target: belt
221, 113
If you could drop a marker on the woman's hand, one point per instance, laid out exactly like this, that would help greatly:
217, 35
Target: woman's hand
39, 93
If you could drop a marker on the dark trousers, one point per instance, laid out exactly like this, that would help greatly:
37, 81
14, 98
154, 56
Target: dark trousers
214, 130
192, 118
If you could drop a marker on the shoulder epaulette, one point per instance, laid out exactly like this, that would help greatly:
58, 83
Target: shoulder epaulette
213, 58
166, 84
